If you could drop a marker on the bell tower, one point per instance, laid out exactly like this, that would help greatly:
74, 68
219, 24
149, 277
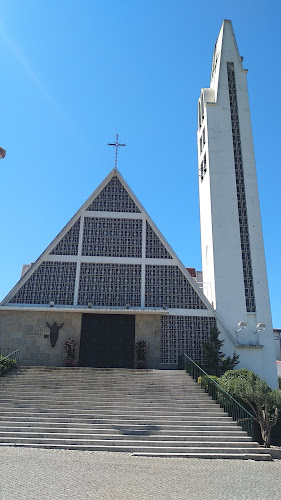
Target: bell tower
233, 260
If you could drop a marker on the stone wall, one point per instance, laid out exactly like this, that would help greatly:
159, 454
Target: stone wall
27, 331
148, 328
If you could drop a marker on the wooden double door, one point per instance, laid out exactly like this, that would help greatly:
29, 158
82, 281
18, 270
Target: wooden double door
107, 341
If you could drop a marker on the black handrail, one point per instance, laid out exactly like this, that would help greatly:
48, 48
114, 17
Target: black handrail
217, 393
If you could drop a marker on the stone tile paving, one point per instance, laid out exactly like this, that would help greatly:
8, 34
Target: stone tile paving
28, 473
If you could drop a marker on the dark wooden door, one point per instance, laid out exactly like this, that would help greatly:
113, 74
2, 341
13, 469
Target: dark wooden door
107, 341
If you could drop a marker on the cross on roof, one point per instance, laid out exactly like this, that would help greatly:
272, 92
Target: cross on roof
116, 144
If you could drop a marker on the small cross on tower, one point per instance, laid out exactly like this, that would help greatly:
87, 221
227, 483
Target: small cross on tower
116, 144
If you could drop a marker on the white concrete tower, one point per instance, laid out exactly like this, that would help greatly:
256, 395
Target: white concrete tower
233, 261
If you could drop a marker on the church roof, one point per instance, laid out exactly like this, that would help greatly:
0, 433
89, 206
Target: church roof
109, 255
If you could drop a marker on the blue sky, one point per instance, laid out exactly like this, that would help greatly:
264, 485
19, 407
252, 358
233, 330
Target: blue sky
73, 73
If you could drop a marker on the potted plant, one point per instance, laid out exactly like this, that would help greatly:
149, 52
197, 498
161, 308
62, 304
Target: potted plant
141, 351
70, 346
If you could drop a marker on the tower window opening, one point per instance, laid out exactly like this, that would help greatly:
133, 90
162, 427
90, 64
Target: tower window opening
203, 168
240, 190
202, 107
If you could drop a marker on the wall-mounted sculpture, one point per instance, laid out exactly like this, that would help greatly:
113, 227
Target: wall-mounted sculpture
54, 332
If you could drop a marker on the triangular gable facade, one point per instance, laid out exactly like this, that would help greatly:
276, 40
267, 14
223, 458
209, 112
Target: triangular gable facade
110, 254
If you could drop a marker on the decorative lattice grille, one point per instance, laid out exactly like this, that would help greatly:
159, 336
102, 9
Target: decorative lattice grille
110, 285
112, 237
68, 245
166, 286
52, 281
184, 334
240, 188
113, 198
154, 247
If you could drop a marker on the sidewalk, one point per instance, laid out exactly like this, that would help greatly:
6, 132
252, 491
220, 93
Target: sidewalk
28, 473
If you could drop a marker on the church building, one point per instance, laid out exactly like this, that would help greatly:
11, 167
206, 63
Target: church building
110, 279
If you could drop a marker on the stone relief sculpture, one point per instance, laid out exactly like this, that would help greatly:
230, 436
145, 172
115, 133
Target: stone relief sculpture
54, 332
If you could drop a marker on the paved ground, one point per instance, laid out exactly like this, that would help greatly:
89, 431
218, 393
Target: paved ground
27, 474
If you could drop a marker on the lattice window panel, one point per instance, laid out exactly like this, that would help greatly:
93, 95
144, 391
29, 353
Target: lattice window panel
52, 281
154, 247
112, 237
113, 198
68, 245
166, 286
184, 334
240, 188
106, 285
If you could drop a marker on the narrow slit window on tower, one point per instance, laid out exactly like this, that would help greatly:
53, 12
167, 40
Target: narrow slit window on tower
240, 189
203, 168
202, 107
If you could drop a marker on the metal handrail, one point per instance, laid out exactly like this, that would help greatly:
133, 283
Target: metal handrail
238, 413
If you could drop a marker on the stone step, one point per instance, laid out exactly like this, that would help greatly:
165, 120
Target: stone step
233, 455
79, 374
88, 386
89, 440
99, 380
150, 380
102, 382
110, 391
124, 421
136, 411
73, 385
143, 416
75, 371
188, 450
76, 395
95, 432
103, 372
202, 430
107, 411
129, 375
24, 379
86, 381
109, 436
96, 403
134, 405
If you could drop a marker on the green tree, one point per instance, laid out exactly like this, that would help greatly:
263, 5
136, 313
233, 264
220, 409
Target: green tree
215, 361
245, 386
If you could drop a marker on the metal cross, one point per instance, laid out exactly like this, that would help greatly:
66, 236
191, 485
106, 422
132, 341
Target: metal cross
116, 144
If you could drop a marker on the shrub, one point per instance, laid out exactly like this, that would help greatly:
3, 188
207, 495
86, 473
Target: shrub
6, 364
265, 403
205, 382
70, 346
141, 351
215, 362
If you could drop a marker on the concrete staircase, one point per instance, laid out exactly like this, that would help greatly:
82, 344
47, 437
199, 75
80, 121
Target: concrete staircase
143, 412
